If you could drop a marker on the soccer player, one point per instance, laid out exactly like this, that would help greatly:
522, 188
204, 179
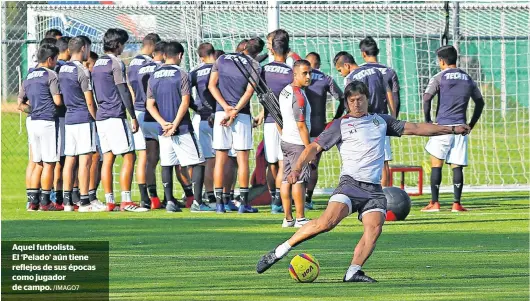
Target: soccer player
218, 53
360, 137
41, 89
296, 115
369, 51
453, 87
168, 100
115, 133
282, 34
277, 75
381, 99
205, 103
80, 127
53, 33
89, 63
233, 123
317, 94
138, 94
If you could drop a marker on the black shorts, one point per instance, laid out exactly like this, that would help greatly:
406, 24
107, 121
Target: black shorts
360, 197
291, 153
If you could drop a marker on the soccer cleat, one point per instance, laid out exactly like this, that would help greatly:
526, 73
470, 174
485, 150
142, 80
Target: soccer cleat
189, 201
172, 207
288, 224
275, 209
247, 209
59, 207
195, 207
91, 208
300, 222
220, 208
132, 207
97, 203
33, 207
69, 208
432, 207
155, 203
111, 206
266, 261
231, 206
49, 207
457, 207
309, 205
359, 276
146, 205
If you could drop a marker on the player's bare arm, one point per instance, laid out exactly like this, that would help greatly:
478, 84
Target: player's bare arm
429, 129
89, 97
216, 93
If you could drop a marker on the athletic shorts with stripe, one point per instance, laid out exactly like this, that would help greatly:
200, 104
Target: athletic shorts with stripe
360, 197
272, 143
204, 134
291, 153
45, 141
237, 136
146, 130
80, 139
180, 149
115, 136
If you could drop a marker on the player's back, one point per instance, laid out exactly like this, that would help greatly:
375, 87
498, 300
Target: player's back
37, 89
389, 75
74, 78
144, 74
199, 78
108, 71
455, 89
165, 85
134, 80
317, 94
377, 87
277, 76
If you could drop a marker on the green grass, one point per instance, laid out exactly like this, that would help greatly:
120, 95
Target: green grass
479, 255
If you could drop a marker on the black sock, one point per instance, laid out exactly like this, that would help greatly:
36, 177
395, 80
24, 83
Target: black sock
85, 200
67, 196
144, 197
211, 197
152, 191
76, 197
188, 190
218, 195
198, 181
308, 196
59, 197
436, 180
226, 198
243, 194
92, 195
232, 195
458, 182
33, 195
272, 192
167, 181
277, 199
45, 197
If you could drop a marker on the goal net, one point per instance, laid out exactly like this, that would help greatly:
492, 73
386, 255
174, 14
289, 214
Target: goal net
492, 39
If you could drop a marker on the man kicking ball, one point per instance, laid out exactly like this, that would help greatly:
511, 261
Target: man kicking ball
360, 138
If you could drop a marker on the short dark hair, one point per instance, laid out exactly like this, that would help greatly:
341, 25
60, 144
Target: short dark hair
342, 58
173, 48
281, 34
47, 51
151, 39
242, 45
94, 55
280, 45
369, 46
113, 38
316, 55
161, 47
447, 54
206, 50
86, 39
53, 33
47, 41
356, 87
218, 53
301, 63
255, 46
76, 44
62, 43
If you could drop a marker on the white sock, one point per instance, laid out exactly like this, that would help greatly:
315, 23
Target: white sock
109, 198
352, 270
126, 196
282, 250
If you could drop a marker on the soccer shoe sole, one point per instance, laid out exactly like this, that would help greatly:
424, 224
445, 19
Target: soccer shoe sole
430, 210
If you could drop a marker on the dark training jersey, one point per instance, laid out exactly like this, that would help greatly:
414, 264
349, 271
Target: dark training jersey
377, 87
74, 79
39, 88
199, 79
277, 76
454, 87
134, 81
232, 83
144, 73
108, 72
392, 80
167, 85
61, 110
317, 94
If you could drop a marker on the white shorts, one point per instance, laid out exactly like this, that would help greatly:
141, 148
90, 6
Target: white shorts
238, 135
28, 129
388, 150
180, 150
62, 134
139, 139
80, 139
45, 141
272, 143
451, 148
115, 136
204, 134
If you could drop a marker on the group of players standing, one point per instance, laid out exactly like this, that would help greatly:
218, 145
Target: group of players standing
68, 131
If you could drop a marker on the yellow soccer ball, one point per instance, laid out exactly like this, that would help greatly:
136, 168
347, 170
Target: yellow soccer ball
304, 268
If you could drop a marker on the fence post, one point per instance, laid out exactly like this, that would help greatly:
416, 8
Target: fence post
4, 52
273, 17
